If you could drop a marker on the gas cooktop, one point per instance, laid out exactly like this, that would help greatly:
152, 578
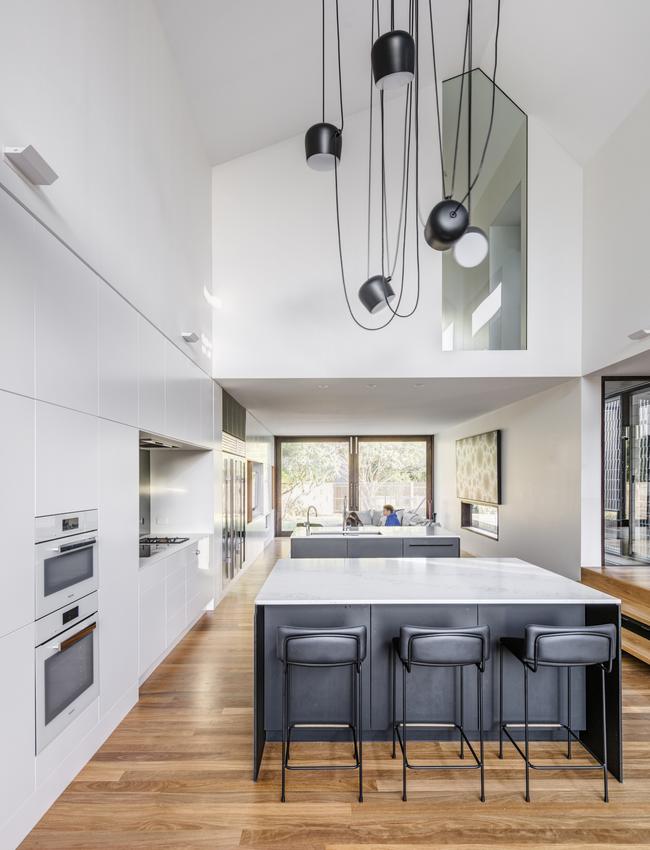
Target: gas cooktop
150, 545
163, 541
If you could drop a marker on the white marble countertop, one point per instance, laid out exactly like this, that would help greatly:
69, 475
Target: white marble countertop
411, 531
165, 551
421, 581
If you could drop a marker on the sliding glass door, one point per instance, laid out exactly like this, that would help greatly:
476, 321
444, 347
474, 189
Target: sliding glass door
626, 472
360, 473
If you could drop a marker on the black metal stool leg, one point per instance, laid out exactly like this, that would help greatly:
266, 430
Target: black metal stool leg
403, 732
360, 731
479, 685
284, 731
527, 759
605, 768
500, 701
394, 674
462, 723
568, 713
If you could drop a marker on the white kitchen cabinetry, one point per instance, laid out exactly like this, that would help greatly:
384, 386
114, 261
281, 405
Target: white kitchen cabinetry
182, 396
17, 735
17, 511
200, 579
175, 596
118, 561
206, 435
151, 360
66, 457
65, 324
173, 593
118, 356
152, 614
20, 270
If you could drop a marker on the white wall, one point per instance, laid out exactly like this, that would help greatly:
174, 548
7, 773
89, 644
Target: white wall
277, 275
616, 293
539, 519
94, 88
260, 447
181, 492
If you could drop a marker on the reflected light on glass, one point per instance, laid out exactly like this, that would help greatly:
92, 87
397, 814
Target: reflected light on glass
486, 310
448, 337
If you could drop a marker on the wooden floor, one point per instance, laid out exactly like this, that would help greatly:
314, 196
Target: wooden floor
176, 774
632, 586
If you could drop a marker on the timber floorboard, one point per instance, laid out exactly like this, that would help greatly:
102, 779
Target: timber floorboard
176, 773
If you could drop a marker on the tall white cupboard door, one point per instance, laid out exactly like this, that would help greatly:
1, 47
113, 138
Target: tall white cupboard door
118, 561
118, 358
65, 330
17, 512
151, 368
66, 460
17, 730
19, 271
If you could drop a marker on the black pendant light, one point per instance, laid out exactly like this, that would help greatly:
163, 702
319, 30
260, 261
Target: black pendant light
447, 222
393, 59
324, 141
376, 293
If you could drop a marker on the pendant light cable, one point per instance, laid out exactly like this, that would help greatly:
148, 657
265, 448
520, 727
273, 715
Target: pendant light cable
338, 50
494, 93
323, 57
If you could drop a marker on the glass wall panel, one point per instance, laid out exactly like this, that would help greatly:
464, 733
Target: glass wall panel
484, 308
393, 472
313, 473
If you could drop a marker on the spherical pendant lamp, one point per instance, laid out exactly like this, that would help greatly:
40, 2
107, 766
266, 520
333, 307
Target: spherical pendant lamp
472, 248
323, 142
393, 59
447, 222
375, 293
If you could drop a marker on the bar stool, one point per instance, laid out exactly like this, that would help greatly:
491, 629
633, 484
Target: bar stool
322, 648
559, 646
424, 647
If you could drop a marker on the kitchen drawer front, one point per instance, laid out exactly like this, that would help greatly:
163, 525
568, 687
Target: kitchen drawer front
313, 547
374, 547
445, 547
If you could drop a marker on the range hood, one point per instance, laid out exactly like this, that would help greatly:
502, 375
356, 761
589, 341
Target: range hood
155, 441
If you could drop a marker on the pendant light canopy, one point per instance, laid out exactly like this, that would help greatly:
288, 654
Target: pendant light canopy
447, 222
393, 59
472, 248
323, 143
376, 293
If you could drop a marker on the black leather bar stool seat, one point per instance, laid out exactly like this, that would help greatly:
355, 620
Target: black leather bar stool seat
562, 647
325, 648
432, 647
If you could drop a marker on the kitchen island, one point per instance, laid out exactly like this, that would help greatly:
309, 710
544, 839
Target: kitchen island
505, 593
369, 541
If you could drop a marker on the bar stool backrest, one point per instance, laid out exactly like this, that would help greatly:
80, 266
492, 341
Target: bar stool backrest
326, 647
571, 645
445, 647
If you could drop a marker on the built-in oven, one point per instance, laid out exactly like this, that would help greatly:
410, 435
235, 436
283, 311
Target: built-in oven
67, 667
66, 559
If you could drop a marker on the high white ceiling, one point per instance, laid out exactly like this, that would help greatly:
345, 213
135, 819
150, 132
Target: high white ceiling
381, 406
252, 67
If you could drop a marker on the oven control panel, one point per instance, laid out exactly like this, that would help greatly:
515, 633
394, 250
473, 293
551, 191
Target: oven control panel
55, 526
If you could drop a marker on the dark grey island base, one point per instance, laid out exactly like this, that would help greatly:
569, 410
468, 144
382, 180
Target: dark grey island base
505, 593
379, 542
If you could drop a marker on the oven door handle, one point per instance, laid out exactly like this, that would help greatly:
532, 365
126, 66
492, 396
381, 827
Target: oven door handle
66, 644
72, 547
